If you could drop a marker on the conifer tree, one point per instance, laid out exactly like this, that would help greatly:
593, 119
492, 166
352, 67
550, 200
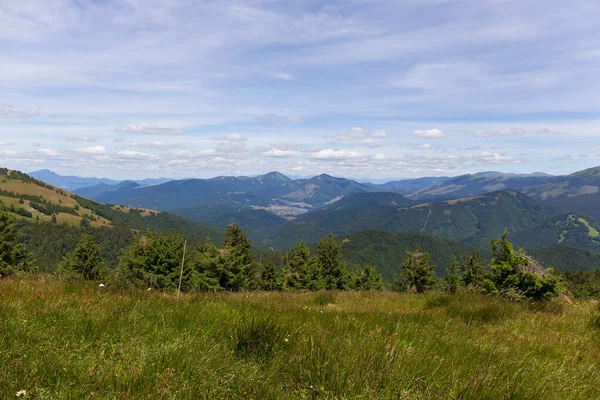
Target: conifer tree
368, 279
85, 261
238, 271
453, 281
415, 273
13, 254
297, 267
270, 277
207, 265
473, 271
329, 260
514, 275
153, 260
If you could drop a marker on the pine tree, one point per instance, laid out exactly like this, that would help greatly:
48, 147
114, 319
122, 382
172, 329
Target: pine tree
513, 274
238, 271
453, 281
297, 267
153, 260
368, 279
13, 254
329, 260
270, 277
473, 271
415, 273
204, 276
85, 261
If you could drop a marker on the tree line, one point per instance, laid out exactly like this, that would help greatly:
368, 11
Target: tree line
156, 260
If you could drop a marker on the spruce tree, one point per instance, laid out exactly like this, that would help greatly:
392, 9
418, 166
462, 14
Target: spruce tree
297, 267
84, 262
13, 254
270, 277
238, 271
329, 260
368, 279
415, 273
473, 271
453, 281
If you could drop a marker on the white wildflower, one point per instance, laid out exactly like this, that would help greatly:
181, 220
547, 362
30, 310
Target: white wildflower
101, 285
21, 393
149, 288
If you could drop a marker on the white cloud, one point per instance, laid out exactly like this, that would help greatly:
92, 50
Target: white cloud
425, 146
80, 139
511, 131
430, 133
481, 133
379, 134
234, 137
280, 119
48, 152
154, 145
353, 134
281, 153
96, 150
7, 144
128, 154
373, 142
336, 154
150, 129
12, 112
495, 158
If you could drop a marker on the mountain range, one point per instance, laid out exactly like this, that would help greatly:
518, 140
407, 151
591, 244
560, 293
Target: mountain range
374, 225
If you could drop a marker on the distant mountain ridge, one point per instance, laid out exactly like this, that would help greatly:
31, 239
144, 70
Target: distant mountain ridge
281, 195
72, 183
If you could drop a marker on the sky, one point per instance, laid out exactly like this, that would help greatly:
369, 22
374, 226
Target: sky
366, 89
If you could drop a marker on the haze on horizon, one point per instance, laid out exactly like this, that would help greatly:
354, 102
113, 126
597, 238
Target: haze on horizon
367, 90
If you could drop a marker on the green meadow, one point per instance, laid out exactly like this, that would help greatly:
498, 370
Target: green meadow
81, 341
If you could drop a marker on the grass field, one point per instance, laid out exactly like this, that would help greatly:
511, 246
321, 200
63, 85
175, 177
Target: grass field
79, 340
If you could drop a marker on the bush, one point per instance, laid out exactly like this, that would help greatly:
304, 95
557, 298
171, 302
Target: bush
84, 262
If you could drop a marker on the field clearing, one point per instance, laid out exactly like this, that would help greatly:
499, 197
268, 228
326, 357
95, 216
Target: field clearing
79, 340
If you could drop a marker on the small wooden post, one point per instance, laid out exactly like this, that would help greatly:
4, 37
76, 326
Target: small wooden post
181, 273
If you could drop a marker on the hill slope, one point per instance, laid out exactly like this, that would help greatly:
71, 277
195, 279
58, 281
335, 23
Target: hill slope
472, 220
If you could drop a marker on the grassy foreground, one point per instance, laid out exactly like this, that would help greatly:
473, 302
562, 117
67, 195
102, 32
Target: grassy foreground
76, 341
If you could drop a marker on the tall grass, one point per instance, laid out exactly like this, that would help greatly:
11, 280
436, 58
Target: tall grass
76, 340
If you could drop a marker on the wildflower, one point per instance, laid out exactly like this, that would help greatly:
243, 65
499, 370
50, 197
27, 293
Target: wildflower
21, 393
311, 386
101, 285
149, 288
286, 340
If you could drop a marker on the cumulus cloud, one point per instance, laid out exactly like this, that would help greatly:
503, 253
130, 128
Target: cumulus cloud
511, 131
150, 129
481, 133
95, 150
80, 139
430, 133
234, 137
379, 134
136, 155
372, 143
353, 134
12, 112
48, 152
278, 153
280, 119
154, 145
335, 154
495, 158
425, 146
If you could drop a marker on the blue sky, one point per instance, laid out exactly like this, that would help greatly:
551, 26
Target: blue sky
372, 90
